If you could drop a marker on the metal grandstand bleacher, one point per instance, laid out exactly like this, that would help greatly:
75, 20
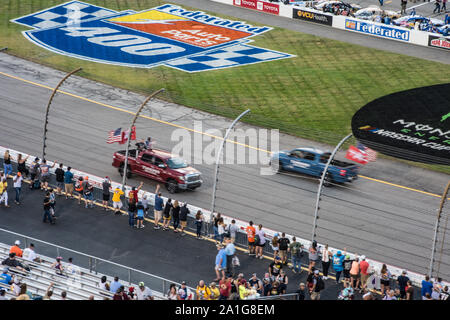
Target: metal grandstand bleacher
80, 285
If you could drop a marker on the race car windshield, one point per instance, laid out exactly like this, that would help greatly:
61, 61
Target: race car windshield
176, 163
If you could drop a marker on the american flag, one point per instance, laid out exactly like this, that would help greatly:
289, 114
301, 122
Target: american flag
114, 136
371, 154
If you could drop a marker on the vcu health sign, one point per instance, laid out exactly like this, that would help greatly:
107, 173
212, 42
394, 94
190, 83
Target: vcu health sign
167, 35
312, 16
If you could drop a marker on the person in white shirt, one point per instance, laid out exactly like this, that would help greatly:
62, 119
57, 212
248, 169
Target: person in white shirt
72, 269
233, 228
17, 180
30, 255
144, 293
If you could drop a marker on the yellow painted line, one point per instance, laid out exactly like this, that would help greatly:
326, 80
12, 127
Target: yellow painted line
193, 130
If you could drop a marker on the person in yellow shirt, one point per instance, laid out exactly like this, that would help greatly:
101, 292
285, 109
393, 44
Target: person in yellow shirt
203, 292
3, 190
215, 293
117, 203
243, 292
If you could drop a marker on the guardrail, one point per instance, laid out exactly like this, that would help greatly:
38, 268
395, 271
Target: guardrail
371, 28
241, 239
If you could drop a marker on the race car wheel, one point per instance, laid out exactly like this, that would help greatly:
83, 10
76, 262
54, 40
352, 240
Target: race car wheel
128, 171
171, 186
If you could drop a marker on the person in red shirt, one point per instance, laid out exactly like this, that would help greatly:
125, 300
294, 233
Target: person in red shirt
133, 194
251, 232
225, 288
16, 249
363, 267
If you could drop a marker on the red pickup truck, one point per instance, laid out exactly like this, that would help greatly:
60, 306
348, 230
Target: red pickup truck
159, 165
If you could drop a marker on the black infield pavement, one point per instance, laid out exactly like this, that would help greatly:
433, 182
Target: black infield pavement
105, 235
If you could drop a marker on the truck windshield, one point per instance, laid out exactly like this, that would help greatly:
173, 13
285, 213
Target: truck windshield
176, 163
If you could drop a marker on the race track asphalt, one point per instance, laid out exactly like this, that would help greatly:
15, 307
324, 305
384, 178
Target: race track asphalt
384, 222
107, 236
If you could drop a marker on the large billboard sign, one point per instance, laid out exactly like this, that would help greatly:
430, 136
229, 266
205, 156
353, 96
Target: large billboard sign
384, 31
312, 16
167, 35
412, 125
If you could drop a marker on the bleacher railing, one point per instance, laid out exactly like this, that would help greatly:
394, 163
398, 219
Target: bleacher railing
95, 265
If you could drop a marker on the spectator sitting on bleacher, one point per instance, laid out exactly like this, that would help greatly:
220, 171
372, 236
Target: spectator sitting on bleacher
15, 287
104, 285
5, 278
184, 293
49, 292
64, 295
30, 255
16, 249
72, 269
144, 293
23, 294
57, 265
12, 262
115, 285
120, 294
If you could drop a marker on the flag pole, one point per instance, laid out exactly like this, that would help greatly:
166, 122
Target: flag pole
125, 168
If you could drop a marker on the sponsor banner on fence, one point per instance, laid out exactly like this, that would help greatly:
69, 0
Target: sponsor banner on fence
258, 5
439, 42
384, 31
312, 16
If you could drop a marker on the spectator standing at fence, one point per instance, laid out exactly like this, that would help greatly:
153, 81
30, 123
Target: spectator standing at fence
4, 190
117, 202
216, 226
47, 207
275, 246
296, 250
338, 261
251, 232
409, 290
140, 215
166, 214
313, 255
427, 287
326, 256
364, 269
88, 192
402, 282
233, 229
347, 266
21, 165
158, 208
385, 279
17, 180
133, 195
45, 173
283, 244
221, 229
184, 212
34, 172
445, 294
7, 166
199, 223
59, 172
16, 249
106, 188
260, 241
355, 274
131, 213
79, 188
145, 203
176, 215
68, 183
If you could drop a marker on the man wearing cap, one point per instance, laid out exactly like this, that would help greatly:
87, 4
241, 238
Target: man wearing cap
106, 186
17, 180
364, 268
338, 261
5, 278
275, 267
144, 293
402, 283
318, 285
221, 262
184, 293
88, 194
16, 249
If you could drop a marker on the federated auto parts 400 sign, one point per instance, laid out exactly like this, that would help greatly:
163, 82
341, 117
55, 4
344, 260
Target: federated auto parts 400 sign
166, 35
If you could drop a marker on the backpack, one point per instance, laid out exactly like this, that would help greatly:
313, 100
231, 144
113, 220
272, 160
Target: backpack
257, 239
235, 261
320, 285
297, 251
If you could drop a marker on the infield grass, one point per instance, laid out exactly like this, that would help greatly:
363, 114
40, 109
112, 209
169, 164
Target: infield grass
312, 95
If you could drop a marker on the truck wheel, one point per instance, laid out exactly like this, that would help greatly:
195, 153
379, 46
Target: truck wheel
172, 186
128, 171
